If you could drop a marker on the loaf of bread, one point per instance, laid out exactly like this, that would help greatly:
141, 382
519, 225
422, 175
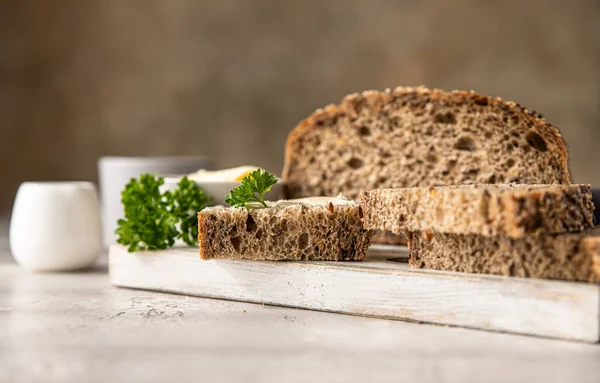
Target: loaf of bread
512, 210
419, 137
410, 137
572, 256
315, 230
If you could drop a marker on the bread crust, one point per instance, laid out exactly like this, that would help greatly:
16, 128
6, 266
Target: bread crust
203, 240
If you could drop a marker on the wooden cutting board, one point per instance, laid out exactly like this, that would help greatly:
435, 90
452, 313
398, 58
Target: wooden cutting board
382, 285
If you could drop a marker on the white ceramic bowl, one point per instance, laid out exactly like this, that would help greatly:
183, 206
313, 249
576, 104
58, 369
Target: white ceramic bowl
219, 190
56, 226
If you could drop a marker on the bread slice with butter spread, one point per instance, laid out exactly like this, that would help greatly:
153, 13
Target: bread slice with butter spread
310, 229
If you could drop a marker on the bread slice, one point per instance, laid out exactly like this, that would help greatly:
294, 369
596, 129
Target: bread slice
572, 256
419, 137
492, 210
410, 137
305, 230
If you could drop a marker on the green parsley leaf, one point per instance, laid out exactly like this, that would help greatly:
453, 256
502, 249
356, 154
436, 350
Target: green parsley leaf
188, 199
252, 189
153, 219
147, 223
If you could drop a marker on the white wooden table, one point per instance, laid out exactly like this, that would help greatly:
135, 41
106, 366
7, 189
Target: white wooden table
77, 327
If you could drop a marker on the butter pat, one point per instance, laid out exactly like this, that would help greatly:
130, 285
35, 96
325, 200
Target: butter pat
225, 175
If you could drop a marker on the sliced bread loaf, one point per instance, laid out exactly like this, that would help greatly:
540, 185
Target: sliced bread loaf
493, 210
572, 256
303, 230
410, 137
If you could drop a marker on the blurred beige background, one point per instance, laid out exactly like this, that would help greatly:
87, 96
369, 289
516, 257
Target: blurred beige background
229, 79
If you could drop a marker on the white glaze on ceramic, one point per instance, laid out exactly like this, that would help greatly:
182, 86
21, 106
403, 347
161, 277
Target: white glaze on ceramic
56, 226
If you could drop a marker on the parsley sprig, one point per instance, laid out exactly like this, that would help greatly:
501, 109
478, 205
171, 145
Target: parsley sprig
188, 199
252, 190
151, 217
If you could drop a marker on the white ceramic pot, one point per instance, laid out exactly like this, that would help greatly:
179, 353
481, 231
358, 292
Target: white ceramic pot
56, 226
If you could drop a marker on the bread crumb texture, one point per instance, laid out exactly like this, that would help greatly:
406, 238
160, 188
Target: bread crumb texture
512, 210
410, 137
573, 256
298, 232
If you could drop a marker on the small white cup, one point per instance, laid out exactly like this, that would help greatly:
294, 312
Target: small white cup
56, 226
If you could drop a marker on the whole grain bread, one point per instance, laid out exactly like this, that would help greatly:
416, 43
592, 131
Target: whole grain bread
571, 256
513, 210
410, 137
297, 232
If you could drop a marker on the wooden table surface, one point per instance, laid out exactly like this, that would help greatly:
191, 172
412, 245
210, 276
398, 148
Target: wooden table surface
77, 327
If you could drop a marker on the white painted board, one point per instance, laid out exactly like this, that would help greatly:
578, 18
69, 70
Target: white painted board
374, 287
